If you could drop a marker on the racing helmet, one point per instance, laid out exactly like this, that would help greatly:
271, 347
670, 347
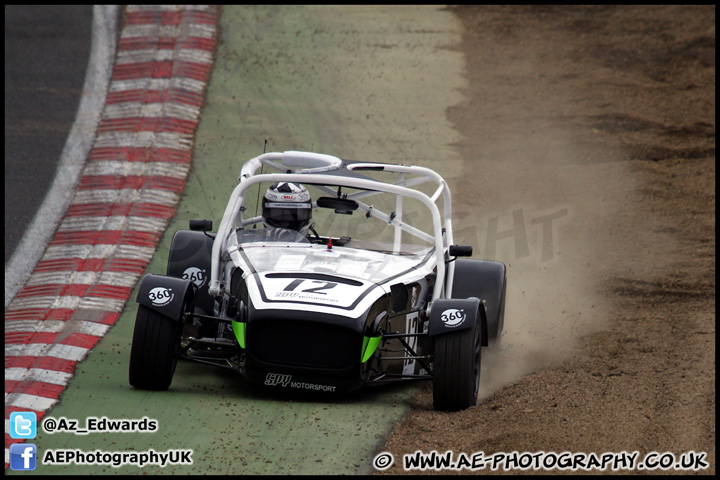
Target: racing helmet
287, 205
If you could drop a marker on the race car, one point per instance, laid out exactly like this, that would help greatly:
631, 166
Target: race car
326, 276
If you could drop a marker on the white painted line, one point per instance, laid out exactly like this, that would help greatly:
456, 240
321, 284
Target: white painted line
117, 252
37, 375
70, 302
181, 111
67, 277
77, 146
29, 402
167, 8
122, 168
126, 195
93, 303
114, 222
178, 141
195, 55
71, 277
57, 350
57, 326
164, 55
157, 84
152, 30
31, 302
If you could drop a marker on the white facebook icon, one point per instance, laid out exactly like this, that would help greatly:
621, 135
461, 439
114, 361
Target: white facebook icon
23, 456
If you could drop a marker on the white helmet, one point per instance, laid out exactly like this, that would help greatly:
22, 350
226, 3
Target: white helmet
287, 205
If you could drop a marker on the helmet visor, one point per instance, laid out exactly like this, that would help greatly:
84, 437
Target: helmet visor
287, 215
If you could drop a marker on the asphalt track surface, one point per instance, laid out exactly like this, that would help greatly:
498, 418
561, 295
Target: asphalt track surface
46, 54
338, 80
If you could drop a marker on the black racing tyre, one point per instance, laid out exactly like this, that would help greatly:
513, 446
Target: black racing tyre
153, 354
456, 369
495, 340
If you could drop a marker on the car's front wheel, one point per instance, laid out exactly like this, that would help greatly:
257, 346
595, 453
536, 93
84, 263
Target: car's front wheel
456, 369
154, 350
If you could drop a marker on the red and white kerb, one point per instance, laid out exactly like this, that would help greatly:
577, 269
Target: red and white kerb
129, 189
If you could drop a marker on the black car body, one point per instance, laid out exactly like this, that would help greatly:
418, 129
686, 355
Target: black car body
330, 312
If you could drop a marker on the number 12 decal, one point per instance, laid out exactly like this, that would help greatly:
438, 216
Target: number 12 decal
296, 283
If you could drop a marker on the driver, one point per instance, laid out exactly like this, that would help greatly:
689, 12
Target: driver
289, 206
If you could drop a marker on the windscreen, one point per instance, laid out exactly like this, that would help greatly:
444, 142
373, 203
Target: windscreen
369, 226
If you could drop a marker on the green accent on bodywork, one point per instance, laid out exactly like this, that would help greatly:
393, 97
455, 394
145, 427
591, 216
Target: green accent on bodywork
370, 344
239, 330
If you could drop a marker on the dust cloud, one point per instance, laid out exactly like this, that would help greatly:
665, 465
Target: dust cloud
548, 210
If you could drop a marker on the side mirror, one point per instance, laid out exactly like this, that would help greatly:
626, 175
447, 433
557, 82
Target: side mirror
201, 225
460, 251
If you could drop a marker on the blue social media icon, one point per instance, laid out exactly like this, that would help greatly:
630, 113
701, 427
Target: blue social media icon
23, 425
23, 456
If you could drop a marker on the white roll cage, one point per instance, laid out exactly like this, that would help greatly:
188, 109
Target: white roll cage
309, 169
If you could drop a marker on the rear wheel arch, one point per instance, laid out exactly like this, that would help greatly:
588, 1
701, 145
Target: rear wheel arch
486, 280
